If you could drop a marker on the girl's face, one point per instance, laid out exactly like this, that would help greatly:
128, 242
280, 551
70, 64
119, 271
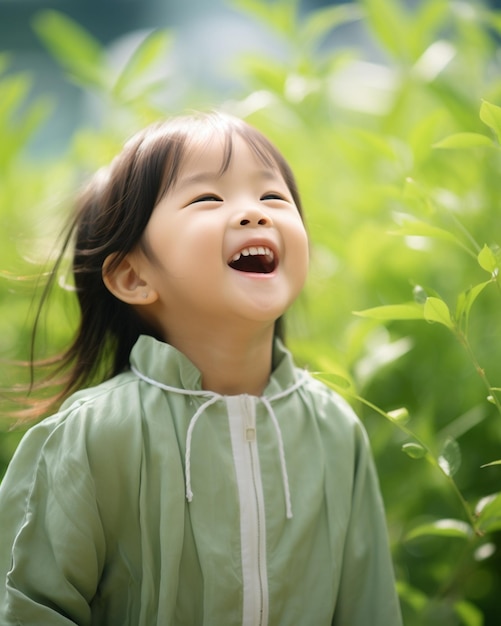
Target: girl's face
223, 249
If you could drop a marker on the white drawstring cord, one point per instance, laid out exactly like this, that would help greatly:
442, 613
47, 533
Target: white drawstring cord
212, 399
285, 476
283, 465
189, 434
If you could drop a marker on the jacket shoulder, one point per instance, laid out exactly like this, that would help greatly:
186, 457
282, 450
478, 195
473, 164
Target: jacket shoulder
119, 389
96, 419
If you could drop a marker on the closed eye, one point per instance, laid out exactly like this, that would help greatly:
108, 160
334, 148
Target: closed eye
206, 198
273, 196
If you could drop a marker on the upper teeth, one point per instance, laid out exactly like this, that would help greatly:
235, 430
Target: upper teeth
253, 251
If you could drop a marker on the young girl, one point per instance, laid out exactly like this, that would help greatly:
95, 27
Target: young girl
208, 480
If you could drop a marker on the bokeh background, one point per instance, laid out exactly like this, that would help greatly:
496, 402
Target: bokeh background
209, 33
389, 113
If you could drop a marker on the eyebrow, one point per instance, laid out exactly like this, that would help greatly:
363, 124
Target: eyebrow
209, 177
201, 177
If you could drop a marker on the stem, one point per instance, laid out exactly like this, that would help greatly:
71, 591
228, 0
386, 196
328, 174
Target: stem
429, 455
491, 391
459, 574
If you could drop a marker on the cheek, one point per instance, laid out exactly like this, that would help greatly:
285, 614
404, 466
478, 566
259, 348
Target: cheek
300, 244
201, 241
185, 246
304, 259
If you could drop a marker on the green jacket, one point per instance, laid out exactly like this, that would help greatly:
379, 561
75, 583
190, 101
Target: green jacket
148, 501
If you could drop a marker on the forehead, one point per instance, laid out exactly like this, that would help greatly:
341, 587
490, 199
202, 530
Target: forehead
216, 152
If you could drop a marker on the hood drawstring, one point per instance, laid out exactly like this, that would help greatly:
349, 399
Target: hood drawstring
189, 435
285, 476
212, 398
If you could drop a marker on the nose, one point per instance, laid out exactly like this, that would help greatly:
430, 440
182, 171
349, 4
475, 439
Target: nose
254, 217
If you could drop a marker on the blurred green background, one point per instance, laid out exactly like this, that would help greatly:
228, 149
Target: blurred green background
389, 113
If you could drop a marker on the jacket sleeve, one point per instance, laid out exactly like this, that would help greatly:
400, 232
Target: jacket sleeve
51, 541
367, 592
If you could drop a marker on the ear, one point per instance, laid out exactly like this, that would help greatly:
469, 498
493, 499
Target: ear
125, 283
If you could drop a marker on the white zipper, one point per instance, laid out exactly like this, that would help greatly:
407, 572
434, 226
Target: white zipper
242, 421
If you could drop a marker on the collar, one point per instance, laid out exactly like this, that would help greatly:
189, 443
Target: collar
162, 366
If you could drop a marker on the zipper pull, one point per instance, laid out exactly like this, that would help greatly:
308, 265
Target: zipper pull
249, 419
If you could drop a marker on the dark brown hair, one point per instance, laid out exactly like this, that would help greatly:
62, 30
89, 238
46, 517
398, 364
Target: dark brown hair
111, 215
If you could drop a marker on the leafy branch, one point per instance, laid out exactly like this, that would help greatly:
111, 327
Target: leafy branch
447, 461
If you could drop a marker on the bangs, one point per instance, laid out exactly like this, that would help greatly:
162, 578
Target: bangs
260, 147
174, 140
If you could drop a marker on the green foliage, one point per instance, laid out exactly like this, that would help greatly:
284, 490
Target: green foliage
79, 54
399, 165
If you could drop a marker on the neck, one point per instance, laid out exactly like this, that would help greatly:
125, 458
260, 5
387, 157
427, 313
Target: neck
230, 363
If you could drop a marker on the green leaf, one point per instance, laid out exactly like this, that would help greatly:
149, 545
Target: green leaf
436, 310
487, 259
280, 14
491, 463
490, 114
417, 228
469, 614
400, 416
149, 52
441, 528
321, 21
391, 25
449, 459
423, 135
414, 450
429, 16
409, 311
5, 61
18, 119
488, 511
13, 91
378, 143
466, 299
22, 132
411, 596
464, 140
72, 46
335, 380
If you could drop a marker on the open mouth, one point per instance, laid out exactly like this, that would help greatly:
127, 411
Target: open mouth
255, 259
